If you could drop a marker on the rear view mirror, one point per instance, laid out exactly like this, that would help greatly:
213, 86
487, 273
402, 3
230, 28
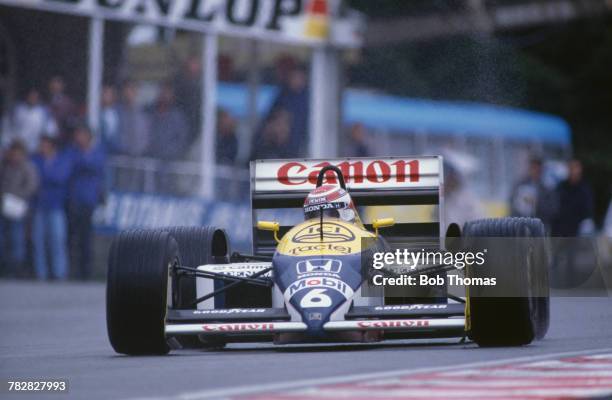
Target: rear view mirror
268, 226
382, 223
272, 226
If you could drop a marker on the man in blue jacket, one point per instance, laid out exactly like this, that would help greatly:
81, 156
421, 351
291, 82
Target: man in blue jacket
49, 225
85, 193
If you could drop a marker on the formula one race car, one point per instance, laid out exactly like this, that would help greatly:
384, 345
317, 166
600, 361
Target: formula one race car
310, 276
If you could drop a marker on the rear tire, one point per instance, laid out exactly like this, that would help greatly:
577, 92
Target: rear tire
541, 258
520, 267
137, 290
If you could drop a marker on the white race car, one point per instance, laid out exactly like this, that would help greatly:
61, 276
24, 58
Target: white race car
310, 276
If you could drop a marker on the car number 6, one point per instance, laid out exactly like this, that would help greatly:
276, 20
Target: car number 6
316, 298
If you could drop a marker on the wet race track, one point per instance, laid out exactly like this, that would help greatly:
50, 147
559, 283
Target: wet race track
59, 331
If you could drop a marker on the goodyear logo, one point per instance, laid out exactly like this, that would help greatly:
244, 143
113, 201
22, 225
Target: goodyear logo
332, 233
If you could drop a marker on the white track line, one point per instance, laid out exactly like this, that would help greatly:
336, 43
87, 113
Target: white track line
255, 389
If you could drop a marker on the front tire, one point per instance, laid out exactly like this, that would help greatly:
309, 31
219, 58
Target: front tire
516, 311
198, 246
137, 291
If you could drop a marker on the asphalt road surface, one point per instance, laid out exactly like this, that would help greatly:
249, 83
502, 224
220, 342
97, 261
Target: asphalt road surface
59, 331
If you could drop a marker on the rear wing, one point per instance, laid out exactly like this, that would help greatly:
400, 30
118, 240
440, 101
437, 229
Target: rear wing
282, 184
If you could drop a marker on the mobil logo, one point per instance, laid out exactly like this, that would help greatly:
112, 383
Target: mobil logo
319, 282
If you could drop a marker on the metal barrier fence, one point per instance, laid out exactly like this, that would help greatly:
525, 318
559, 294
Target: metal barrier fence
176, 178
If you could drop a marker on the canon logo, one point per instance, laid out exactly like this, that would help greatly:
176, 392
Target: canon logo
238, 327
373, 171
393, 324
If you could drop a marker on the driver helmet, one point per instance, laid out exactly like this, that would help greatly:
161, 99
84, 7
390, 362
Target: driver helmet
332, 201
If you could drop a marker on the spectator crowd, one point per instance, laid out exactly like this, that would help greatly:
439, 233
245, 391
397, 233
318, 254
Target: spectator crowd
53, 166
567, 210
51, 180
168, 127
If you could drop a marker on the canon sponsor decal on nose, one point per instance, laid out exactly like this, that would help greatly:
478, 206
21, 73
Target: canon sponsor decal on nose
393, 324
238, 327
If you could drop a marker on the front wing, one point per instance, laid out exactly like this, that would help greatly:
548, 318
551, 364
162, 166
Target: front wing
435, 320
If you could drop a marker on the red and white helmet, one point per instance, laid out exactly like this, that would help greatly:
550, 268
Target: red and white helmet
332, 201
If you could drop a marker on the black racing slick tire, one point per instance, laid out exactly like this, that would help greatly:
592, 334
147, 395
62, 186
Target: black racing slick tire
137, 291
541, 258
198, 246
516, 310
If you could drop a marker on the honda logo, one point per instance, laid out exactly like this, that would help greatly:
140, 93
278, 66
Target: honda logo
319, 265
